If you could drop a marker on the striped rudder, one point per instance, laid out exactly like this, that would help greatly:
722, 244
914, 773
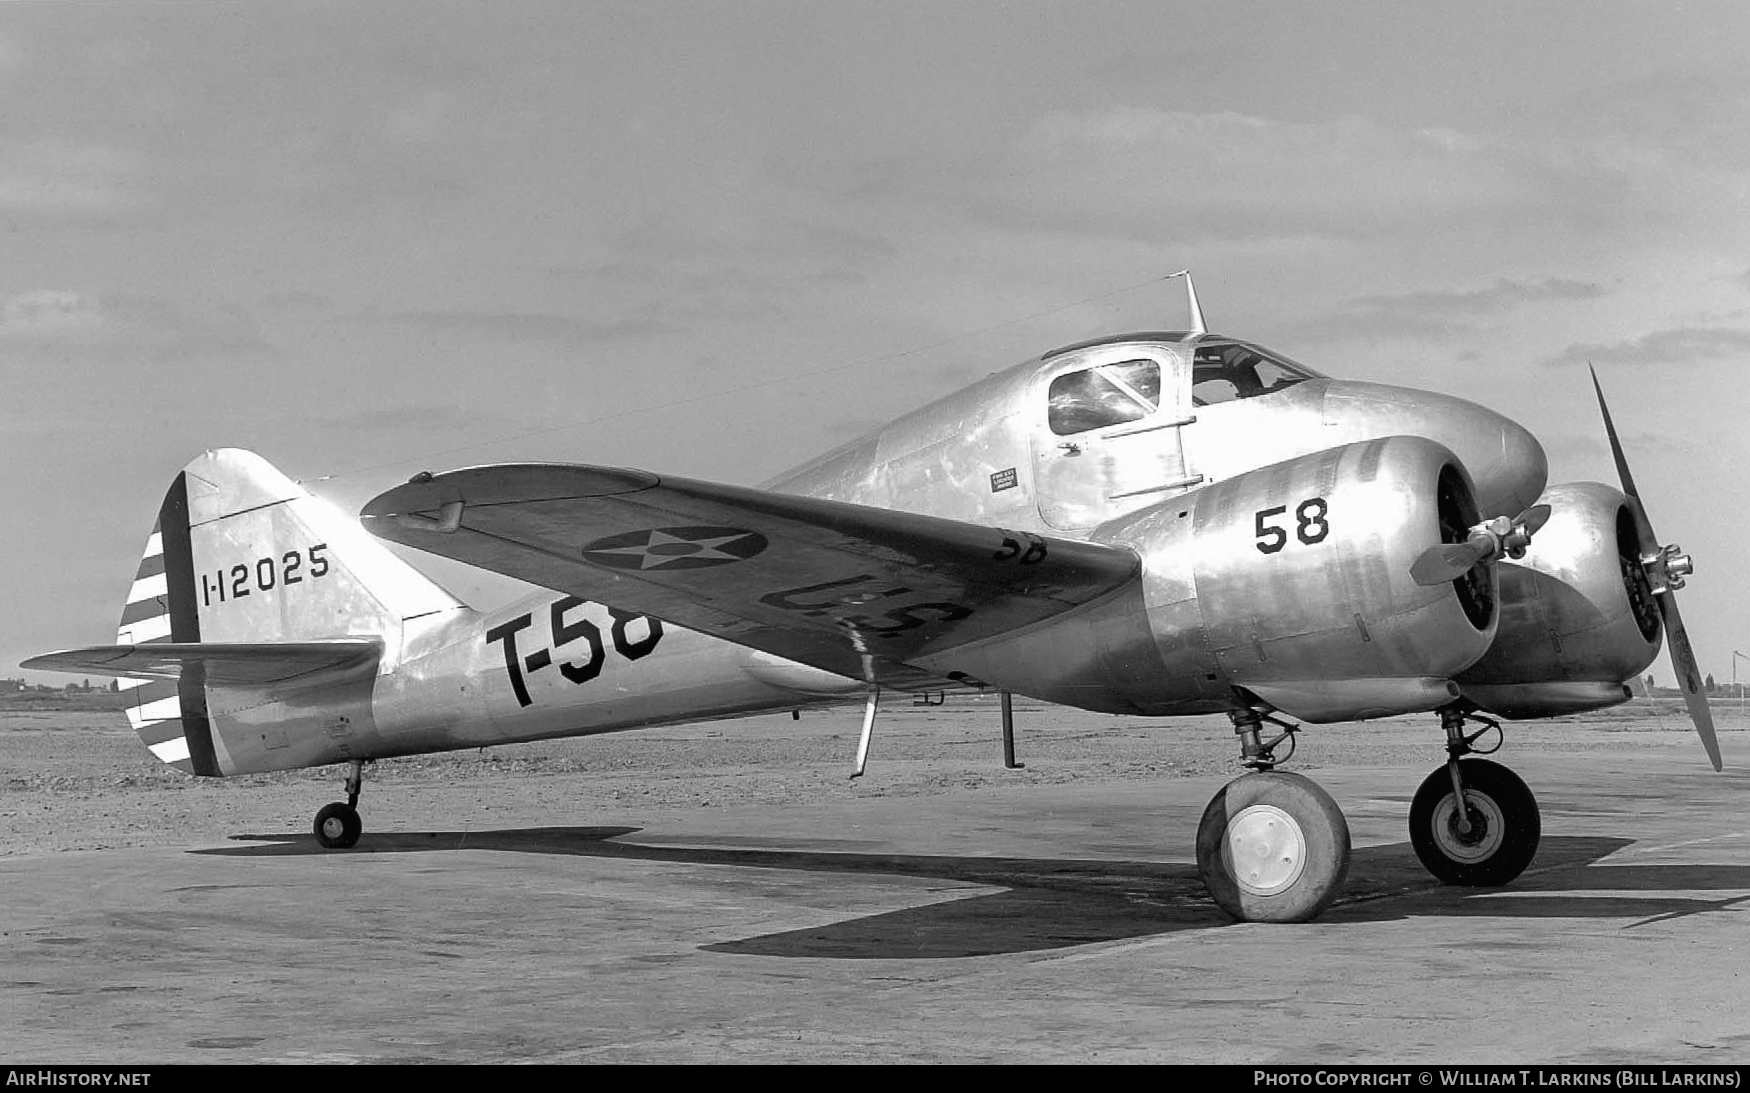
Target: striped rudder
170, 716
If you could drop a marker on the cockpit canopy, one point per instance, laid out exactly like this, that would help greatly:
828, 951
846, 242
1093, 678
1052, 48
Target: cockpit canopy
1223, 370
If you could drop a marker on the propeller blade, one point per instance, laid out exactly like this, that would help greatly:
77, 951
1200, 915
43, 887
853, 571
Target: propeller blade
1676, 636
1450, 561
1628, 480
1533, 519
1689, 676
1446, 562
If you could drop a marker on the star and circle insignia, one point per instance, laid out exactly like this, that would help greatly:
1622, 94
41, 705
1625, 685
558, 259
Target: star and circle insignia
675, 548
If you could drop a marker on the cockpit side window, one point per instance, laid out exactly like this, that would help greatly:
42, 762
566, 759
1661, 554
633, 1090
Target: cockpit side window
1107, 394
1225, 371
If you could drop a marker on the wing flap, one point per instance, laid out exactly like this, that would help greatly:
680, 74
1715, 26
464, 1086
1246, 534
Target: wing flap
849, 588
225, 663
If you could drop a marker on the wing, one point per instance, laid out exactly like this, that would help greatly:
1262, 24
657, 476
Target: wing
225, 663
847, 588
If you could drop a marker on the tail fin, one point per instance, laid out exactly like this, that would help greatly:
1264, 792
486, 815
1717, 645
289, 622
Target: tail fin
242, 554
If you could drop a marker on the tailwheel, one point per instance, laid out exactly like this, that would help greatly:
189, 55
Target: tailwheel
338, 826
1492, 842
1273, 847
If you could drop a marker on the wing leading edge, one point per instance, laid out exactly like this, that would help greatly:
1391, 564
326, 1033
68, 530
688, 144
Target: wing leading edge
848, 588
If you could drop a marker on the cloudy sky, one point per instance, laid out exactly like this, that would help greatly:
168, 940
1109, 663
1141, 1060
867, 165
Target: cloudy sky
714, 238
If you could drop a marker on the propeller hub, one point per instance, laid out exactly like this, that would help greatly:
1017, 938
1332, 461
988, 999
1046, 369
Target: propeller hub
1667, 567
1678, 565
1507, 536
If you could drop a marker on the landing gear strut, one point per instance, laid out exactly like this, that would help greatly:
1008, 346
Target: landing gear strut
338, 825
1273, 846
1494, 836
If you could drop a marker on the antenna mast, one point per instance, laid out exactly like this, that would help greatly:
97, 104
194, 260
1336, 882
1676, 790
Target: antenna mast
1197, 326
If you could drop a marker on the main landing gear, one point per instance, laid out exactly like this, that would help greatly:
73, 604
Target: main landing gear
1493, 838
1273, 846
338, 825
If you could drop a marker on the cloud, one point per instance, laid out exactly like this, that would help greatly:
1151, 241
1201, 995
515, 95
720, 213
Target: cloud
1689, 115
688, 270
48, 315
426, 420
1684, 345
751, 249
68, 179
13, 58
73, 324
672, 273
1140, 170
1586, 455
299, 300
1429, 314
520, 326
1179, 180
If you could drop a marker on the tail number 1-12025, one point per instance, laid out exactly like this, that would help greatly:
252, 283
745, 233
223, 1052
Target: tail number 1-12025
264, 574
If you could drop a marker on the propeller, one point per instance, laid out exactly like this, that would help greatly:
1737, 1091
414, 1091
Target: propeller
1489, 541
1665, 566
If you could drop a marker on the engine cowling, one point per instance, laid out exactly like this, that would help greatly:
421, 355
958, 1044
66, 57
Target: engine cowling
1577, 612
1290, 582
1293, 582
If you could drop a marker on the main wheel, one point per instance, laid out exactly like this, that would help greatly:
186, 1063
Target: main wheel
1504, 825
1273, 847
338, 826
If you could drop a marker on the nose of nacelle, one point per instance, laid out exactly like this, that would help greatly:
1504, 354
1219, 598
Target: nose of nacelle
1506, 463
1520, 472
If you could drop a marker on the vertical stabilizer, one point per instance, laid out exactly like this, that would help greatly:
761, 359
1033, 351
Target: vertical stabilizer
241, 553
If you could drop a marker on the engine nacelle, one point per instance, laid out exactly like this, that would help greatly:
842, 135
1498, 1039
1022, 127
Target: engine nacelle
1577, 612
1293, 582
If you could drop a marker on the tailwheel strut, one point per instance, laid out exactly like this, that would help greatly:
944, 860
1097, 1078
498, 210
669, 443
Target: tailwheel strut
1492, 836
338, 825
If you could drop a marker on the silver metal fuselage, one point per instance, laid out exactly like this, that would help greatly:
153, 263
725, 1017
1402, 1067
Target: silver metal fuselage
988, 455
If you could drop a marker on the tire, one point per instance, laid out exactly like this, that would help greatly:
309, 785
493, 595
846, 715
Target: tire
338, 826
1505, 825
1273, 847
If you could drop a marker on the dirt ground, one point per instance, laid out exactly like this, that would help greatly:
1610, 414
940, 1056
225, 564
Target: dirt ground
82, 781
723, 893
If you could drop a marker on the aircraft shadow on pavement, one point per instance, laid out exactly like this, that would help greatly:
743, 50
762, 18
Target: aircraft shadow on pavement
1043, 904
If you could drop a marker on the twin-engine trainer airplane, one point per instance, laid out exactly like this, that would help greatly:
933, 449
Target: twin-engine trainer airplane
1157, 524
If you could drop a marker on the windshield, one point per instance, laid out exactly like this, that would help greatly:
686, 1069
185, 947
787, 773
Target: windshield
1223, 371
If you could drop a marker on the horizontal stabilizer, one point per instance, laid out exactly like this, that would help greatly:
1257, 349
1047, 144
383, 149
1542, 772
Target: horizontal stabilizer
225, 663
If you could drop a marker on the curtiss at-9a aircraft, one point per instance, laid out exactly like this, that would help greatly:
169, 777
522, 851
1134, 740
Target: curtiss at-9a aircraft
1158, 524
